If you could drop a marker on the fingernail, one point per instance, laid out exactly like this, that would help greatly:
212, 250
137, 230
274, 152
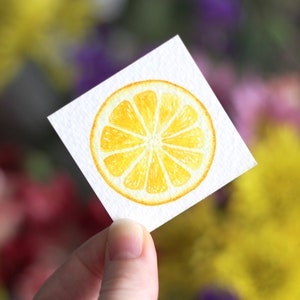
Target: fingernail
125, 240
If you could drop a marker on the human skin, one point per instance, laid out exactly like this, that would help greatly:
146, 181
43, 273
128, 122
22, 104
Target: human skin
117, 263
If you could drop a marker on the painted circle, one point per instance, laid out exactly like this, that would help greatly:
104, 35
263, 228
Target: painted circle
154, 141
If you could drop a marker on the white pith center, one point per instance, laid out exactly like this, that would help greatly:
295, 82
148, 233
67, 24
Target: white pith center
153, 142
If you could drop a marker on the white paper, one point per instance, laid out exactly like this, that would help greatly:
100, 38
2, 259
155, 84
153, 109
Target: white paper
172, 63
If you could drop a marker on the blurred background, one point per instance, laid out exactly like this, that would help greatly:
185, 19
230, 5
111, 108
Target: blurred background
243, 242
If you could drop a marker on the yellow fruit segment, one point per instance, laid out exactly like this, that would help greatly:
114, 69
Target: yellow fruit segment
193, 138
152, 142
118, 163
156, 182
168, 107
136, 179
177, 174
124, 116
187, 117
115, 139
146, 102
191, 159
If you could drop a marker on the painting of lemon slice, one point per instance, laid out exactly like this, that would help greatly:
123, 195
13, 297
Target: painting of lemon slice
153, 141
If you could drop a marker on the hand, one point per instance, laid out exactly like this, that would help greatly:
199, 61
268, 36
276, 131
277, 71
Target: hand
118, 263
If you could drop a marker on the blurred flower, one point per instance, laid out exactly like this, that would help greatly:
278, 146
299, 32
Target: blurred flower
40, 223
260, 260
94, 65
48, 204
11, 213
250, 99
258, 104
253, 103
223, 13
249, 248
39, 30
34, 220
261, 263
285, 95
215, 293
270, 191
186, 247
218, 19
31, 257
242, 242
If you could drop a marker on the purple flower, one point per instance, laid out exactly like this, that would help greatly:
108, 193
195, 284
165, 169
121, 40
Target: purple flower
219, 12
214, 293
218, 20
94, 66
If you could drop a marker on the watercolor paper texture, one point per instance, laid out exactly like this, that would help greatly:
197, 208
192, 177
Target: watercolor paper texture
153, 140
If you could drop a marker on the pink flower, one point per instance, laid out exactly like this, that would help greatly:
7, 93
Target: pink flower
258, 103
250, 99
285, 98
50, 203
11, 213
251, 102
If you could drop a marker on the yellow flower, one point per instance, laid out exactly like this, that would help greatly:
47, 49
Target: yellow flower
186, 246
252, 246
272, 189
261, 263
261, 259
38, 30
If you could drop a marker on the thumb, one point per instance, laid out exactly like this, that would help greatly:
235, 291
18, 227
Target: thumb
130, 271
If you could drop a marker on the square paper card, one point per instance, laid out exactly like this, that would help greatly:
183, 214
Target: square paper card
153, 140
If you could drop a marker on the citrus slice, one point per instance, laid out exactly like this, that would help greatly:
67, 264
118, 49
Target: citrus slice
153, 141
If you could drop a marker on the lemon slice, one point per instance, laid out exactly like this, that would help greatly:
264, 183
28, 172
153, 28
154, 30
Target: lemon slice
153, 141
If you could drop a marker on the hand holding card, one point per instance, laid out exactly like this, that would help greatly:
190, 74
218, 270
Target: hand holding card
153, 140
